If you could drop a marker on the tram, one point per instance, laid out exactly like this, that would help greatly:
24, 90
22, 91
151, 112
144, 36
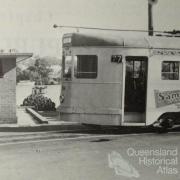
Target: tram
120, 81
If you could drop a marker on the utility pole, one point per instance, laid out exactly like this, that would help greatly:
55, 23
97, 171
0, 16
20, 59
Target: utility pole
150, 16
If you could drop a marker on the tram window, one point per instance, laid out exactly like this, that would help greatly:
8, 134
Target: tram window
85, 66
67, 66
170, 70
1, 69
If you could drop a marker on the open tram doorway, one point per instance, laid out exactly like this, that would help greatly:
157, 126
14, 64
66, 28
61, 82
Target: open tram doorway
135, 89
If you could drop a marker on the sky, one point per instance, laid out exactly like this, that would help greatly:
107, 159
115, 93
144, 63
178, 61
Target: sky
27, 25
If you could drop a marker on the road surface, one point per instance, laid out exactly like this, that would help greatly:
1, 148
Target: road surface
55, 156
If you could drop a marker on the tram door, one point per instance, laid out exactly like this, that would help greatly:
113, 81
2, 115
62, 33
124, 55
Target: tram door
135, 89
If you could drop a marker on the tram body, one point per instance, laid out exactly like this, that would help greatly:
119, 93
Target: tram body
120, 82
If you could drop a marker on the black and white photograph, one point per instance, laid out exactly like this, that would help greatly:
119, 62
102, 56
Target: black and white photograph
89, 90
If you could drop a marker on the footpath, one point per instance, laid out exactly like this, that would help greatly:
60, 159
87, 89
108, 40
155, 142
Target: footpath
31, 121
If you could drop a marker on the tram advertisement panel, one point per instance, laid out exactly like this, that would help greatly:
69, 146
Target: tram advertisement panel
164, 98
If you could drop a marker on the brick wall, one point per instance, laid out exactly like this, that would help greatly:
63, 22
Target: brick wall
8, 92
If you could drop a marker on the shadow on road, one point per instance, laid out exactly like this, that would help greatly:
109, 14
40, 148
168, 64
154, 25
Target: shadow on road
94, 129
113, 130
101, 140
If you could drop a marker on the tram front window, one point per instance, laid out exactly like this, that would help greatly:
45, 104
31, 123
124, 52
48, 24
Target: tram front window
67, 67
86, 66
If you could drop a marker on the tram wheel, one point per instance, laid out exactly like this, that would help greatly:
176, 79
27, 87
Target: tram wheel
161, 130
165, 124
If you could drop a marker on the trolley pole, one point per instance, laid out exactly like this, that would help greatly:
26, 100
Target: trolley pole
150, 20
150, 16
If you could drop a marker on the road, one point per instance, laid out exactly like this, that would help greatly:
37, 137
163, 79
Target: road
58, 156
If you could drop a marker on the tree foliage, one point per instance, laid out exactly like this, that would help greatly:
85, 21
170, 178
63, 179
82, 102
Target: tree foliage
39, 72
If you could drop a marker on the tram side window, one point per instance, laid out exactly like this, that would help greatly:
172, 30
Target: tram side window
1, 69
170, 70
67, 66
85, 66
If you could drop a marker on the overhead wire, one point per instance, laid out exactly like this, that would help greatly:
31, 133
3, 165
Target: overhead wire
111, 29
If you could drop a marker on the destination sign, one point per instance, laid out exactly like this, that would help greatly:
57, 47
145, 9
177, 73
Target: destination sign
164, 98
165, 52
66, 40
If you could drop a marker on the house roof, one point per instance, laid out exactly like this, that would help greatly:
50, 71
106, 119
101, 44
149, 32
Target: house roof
16, 55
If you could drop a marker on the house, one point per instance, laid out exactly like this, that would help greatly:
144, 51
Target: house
8, 85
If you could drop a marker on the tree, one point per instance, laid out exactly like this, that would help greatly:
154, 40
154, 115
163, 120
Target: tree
22, 74
41, 72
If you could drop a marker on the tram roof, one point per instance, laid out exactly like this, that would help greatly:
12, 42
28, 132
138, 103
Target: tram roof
158, 42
